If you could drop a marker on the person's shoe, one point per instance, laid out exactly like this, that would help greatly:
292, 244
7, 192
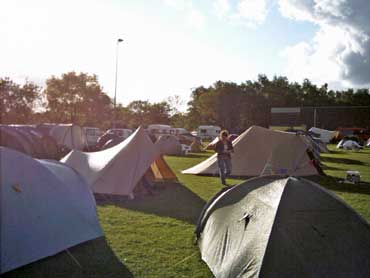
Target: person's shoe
224, 183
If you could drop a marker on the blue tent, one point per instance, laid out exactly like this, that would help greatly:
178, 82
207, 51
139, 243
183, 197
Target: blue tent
46, 207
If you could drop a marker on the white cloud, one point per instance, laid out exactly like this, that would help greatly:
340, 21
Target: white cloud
253, 10
195, 19
304, 58
180, 5
221, 8
298, 10
249, 13
340, 49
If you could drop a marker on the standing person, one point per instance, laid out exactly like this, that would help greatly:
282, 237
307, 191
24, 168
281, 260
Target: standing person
224, 148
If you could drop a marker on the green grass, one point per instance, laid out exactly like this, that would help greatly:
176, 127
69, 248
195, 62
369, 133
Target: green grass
153, 236
336, 164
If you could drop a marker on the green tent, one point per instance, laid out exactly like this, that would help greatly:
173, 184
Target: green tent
283, 227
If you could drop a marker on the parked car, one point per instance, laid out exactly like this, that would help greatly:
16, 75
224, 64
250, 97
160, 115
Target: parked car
120, 132
159, 129
362, 133
115, 135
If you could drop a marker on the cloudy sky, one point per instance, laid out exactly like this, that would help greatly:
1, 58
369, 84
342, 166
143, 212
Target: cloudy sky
171, 46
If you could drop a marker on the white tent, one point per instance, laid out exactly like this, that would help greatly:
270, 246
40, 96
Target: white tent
258, 148
325, 135
69, 135
116, 170
213, 143
46, 208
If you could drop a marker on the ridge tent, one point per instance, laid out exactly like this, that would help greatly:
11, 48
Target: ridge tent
322, 145
116, 170
316, 145
169, 144
212, 145
68, 135
254, 149
324, 135
162, 171
282, 227
46, 208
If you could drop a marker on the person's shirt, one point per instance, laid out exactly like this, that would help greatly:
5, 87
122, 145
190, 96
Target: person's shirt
223, 148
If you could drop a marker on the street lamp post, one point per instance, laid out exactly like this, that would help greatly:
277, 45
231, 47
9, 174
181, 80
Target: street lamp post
115, 84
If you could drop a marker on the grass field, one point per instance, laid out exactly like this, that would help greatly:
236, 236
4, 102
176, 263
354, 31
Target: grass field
154, 236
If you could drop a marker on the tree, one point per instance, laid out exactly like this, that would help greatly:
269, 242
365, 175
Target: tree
141, 112
174, 102
77, 98
17, 103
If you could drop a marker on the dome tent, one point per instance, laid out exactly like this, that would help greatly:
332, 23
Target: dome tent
29, 140
196, 147
40, 202
9, 138
282, 227
169, 144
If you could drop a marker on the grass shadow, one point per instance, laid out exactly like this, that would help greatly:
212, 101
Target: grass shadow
336, 184
326, 167
95, 260
341, 160
192, 155
171, 200
335, 152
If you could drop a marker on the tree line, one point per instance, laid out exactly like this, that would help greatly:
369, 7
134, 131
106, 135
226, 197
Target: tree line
79, 98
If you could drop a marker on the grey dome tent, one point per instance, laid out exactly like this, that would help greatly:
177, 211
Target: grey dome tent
9, 138
196, 147
29, 140
46, 207
34, 138
169, 145
21, 139
283, 227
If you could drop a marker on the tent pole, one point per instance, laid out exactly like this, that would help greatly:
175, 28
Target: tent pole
73, 258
